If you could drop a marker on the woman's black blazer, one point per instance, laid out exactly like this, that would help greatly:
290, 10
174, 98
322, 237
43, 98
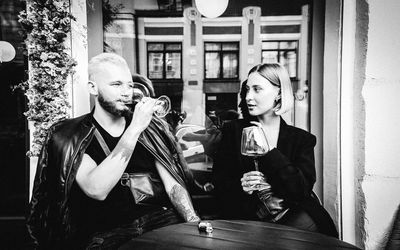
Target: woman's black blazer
289, 169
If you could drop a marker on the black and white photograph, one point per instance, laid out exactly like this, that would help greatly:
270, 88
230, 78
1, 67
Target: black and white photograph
199, 124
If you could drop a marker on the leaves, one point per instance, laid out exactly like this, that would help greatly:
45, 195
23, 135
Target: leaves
46, 24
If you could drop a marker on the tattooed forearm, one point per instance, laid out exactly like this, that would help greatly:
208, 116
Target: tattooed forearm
181, 200
124, 153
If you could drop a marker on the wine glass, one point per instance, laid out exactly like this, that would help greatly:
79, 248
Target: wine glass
254, 143
163, 103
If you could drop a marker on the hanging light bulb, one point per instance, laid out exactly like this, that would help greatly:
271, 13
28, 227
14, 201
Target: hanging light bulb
7, 52
211, 8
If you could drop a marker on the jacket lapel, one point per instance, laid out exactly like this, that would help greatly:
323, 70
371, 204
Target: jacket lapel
284, 138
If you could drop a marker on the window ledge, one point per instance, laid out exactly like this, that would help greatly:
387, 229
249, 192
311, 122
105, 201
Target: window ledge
166, 81
233, 80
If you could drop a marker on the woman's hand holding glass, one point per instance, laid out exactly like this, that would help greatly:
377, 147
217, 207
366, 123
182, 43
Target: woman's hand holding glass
254, 181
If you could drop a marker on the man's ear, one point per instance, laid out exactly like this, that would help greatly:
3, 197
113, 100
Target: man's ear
93, 89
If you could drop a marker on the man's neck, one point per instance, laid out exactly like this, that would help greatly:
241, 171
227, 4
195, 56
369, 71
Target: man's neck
114, 125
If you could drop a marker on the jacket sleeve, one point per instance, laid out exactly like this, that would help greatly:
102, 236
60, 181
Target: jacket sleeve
37, 224
291, 179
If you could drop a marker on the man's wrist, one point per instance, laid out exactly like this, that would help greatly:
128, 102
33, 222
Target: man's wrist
129, 138
193, 218
133, 131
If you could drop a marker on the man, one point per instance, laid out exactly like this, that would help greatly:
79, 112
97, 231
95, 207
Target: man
79, 200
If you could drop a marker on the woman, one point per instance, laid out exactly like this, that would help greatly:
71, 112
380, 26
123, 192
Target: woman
281, 191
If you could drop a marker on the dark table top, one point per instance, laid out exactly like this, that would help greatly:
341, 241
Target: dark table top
234, 234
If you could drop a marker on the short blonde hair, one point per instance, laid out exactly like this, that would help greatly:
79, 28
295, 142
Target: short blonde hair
278, 76
98, 61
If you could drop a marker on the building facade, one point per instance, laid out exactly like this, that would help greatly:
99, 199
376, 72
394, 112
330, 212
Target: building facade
350, 74
200, 62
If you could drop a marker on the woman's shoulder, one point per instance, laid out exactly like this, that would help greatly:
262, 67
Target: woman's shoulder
301, 134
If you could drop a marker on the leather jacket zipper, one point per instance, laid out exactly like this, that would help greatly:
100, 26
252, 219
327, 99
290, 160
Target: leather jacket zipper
73, 160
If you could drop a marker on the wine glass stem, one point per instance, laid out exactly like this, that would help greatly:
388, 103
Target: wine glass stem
256, 164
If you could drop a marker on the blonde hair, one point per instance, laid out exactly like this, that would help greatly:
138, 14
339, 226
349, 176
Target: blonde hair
98, 61
277, 75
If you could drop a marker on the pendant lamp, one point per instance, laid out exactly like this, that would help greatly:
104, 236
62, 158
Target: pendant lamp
211, 8
7, 52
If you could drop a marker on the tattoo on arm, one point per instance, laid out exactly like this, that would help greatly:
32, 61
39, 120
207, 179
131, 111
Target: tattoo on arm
181, 200
123, 152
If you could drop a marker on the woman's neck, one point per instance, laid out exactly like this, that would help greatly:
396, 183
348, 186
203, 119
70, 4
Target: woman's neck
269, 120
271, 126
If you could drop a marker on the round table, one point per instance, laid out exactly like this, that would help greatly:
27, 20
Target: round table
234, 234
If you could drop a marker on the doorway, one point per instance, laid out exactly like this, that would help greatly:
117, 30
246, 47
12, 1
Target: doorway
13, 139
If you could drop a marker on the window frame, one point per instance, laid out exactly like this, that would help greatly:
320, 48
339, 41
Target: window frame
279, 50
164, 52
221, 53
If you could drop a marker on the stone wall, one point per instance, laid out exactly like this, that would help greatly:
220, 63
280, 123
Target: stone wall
379, 193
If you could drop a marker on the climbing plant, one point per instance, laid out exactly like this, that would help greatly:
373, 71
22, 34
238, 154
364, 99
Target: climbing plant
46, 24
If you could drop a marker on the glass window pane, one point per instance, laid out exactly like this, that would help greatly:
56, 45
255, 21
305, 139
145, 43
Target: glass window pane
270, 45
269, 56
289, 59
288, 45
173, 65
212, 46
155, 65
212, 65
173, 46
230, 46
155, 46
230, 65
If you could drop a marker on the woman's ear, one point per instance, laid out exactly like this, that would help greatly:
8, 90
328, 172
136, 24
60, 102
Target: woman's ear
278, 103
93, 90
278, 98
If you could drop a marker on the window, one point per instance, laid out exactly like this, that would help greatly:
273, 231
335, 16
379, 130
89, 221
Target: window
164, 60
221, 60
283, 52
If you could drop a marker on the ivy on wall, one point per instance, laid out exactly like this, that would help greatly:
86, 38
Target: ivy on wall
46, 24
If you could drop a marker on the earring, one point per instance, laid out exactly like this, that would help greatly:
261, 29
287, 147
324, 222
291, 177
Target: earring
277, 103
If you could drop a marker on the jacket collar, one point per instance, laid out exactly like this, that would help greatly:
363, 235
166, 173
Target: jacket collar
283, 134
88, 121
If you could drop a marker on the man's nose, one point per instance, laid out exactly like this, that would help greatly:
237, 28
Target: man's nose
126, 90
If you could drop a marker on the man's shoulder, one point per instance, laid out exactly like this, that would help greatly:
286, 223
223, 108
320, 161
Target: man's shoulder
68, 127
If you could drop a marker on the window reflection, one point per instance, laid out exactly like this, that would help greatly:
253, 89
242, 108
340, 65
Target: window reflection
164, 60
229, 65
212, 65
156, 65
283, 52
173, 65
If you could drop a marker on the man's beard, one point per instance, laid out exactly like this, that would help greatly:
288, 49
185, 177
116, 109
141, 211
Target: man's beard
111, 107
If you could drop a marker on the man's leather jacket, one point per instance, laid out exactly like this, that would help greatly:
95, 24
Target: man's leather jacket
49, 221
